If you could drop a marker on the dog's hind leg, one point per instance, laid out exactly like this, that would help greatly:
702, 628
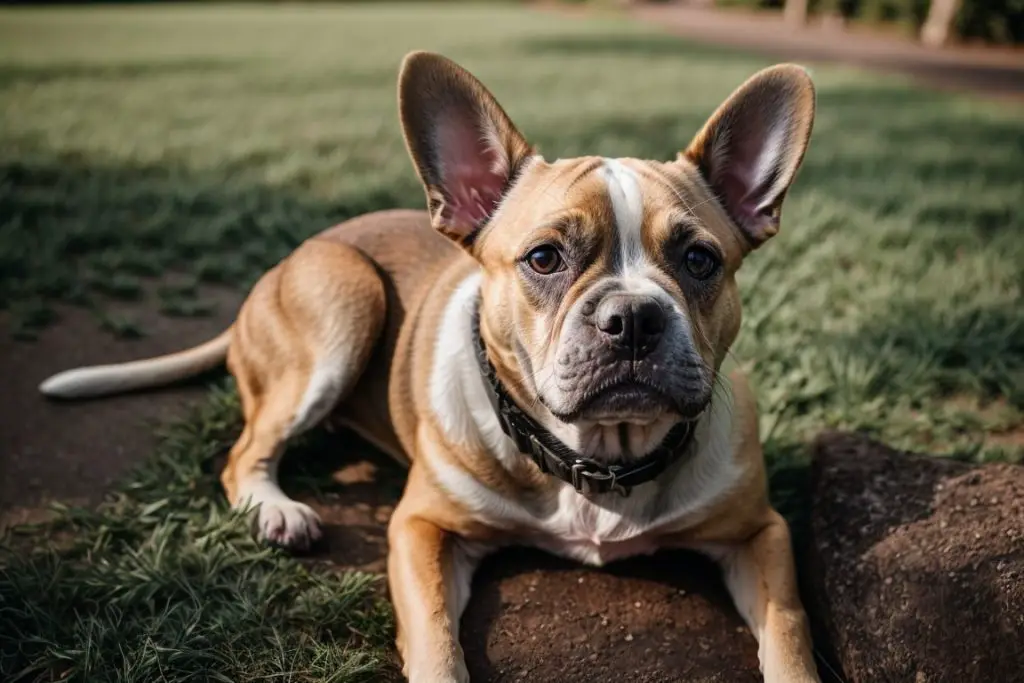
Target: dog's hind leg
302, 340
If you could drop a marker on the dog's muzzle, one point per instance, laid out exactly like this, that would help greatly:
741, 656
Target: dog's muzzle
553, 457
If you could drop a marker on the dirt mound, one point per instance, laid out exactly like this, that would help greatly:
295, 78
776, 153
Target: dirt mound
918, 564
533, 617
649, 620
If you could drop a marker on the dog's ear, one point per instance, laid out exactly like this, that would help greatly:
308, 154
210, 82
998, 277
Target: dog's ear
465, 147
750, 149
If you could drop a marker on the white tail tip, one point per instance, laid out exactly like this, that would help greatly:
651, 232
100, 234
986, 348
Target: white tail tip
79, 383
104, 380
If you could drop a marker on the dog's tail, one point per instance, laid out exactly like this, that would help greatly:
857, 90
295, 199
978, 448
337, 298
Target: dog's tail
104, 380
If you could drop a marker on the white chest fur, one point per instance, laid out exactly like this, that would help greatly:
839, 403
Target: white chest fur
594, 531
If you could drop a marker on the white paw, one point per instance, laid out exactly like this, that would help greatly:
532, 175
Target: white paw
445, 671
459, 676
280, 520
288, 523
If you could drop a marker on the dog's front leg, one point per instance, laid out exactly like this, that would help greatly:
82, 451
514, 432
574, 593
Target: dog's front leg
761, 577
429, 574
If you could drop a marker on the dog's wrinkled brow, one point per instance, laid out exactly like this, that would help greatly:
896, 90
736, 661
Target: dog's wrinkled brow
588, 168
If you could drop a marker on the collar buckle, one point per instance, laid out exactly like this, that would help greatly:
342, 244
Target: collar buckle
586, 480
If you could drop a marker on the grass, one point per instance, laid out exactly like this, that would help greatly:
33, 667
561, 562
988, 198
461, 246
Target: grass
184, 146
161, 583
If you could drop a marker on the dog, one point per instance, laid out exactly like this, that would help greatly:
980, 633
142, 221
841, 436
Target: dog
545, 347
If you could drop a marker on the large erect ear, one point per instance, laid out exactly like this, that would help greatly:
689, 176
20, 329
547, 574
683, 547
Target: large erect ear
463, 144
750, 149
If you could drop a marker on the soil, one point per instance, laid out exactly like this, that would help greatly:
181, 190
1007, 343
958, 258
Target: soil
667, 618
72, 452
918, 564
533, 617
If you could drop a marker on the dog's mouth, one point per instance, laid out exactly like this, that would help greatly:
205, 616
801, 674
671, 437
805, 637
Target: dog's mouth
627, 401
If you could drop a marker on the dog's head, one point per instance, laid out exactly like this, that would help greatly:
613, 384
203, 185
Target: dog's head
609, 297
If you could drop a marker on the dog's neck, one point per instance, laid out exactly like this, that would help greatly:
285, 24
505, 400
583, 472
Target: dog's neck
552, 456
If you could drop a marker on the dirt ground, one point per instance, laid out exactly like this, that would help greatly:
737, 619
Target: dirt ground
653, 620
73, 451
533, 617
917, 562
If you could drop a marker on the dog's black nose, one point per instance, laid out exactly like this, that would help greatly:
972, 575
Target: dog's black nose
633, 324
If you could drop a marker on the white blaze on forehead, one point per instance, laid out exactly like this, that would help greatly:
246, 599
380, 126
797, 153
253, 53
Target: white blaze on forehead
634, 270
628, 205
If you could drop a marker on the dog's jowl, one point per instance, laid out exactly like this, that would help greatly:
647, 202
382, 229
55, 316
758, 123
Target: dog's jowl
544, 347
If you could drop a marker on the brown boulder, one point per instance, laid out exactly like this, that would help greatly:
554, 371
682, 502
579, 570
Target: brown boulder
917, 564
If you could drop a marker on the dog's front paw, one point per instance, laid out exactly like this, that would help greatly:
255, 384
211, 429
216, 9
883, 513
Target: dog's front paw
792, 677
279, 520
289, 524
431, 670
460, 676
792, 666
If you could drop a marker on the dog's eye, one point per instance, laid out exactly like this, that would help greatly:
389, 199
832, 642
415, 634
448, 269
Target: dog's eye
700, 262
545, 260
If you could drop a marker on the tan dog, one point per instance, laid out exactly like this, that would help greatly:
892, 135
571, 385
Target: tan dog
552, 371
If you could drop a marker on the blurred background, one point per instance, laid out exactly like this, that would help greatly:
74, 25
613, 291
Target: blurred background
157, 158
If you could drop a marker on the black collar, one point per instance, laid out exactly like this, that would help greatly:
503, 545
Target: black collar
554, 457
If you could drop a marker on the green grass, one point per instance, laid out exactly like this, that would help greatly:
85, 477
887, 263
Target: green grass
162, 583
196, 145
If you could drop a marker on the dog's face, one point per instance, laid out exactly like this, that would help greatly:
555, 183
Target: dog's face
620, 278
609, 295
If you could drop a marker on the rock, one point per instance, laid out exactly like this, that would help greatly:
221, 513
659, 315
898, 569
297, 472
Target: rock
917, 564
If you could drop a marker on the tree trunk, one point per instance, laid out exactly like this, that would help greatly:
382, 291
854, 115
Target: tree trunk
795, 12
938, 27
